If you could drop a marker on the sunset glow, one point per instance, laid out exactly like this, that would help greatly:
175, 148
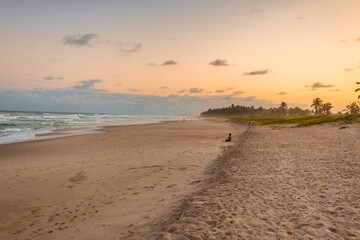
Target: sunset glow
193, 54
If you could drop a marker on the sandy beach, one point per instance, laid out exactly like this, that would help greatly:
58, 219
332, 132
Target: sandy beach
109, 185
286, 183
179, 180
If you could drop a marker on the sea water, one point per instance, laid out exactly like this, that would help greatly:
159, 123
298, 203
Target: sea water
20, 126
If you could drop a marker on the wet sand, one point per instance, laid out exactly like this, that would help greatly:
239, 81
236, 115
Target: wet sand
110, 185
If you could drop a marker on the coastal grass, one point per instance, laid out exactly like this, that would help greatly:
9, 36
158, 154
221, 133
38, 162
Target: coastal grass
299, 121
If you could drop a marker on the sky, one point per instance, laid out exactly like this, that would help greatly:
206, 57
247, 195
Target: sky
176, 57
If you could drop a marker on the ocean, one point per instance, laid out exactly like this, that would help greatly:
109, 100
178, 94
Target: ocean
20, 126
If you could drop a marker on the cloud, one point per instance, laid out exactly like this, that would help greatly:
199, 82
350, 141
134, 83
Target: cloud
196, 90
228, 89
237, 93
53, 78
169, 62
78, 39
57, 59
250, 98
163, 87
119, 84
182, 91
219, 62
87, 84
135, 90
282, 93
135, 48
99, 101
151, 64
348, 70
220, 91
358, 39
255, 10
344, 41
258, 72
318, 85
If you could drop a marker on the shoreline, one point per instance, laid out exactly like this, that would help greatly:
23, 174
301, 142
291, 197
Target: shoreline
104, 185
77, 131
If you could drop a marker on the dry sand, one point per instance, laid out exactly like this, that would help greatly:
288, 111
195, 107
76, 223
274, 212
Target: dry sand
111, 185
169, 181
291, 183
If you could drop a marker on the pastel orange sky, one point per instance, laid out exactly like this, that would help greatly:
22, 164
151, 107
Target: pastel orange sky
213, 52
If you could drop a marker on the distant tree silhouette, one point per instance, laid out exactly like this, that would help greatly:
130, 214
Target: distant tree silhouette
283, 108
354, 108
317, 104
326, 107
240, 110
358, 89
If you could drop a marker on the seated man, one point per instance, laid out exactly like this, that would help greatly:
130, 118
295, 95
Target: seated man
229, 138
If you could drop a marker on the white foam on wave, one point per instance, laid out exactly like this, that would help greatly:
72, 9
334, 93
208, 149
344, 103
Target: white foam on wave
22, 135
22, 126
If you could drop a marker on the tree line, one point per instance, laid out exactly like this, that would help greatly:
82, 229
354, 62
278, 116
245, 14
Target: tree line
240, 110
318, 105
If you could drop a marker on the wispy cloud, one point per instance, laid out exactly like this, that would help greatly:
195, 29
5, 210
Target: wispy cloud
163, 87
219, 62
257, 72
318, 85
56, 59
181, 91
53, 78
87, 84
78, 39
220, 91
348, 70
169, 62
196, 90
238, 93
344, 41
282, 93
250, 98
151, 64
135, 48
135, 90
256, 10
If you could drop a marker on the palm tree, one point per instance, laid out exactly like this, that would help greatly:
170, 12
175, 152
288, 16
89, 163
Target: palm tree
353, 107
358, 89
317, 104
327, 108
283, 107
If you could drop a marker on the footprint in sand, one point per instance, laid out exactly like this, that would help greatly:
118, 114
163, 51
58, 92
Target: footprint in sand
78, 177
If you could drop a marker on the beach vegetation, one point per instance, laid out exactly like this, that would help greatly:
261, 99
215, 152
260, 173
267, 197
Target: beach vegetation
326, 107
317, 105
298, 121
353, 107
358, 89
240, 110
